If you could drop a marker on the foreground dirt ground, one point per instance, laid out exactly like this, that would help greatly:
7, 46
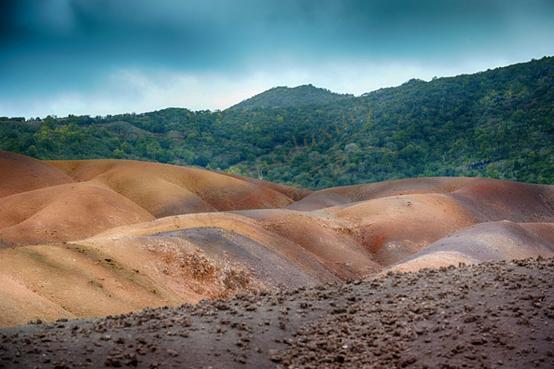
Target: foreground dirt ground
490, 315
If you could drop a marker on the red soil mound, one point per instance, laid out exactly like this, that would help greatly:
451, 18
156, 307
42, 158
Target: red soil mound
328, 238
112, 193
542, 230
395, 219
21, 173
485, 242
491, 200
488, 199
348, 194
394, 227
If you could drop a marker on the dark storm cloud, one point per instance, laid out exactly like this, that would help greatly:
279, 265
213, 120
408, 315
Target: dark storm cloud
204, 33
48, 45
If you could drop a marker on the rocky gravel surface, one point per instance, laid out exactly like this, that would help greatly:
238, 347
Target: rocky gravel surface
491, 315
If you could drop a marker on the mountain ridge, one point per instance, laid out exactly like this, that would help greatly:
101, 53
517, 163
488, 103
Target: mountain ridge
284, 96
497, 123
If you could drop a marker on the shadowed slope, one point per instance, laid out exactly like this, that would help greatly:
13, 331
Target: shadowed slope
329, 238
19, 173
228, 222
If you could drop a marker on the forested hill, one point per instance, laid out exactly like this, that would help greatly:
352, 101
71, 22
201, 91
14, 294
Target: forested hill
498, 123
285, 97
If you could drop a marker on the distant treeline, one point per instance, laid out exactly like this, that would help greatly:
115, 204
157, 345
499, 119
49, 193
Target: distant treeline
498, 123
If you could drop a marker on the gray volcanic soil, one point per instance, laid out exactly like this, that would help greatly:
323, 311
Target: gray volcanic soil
264, 263
498, 314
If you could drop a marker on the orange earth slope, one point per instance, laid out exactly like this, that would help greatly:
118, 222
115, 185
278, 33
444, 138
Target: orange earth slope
68, 200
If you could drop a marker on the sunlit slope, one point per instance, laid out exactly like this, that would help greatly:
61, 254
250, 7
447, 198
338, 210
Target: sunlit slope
73, 280
64, 212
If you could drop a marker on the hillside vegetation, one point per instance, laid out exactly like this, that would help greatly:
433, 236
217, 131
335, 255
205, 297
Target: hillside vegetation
498, 123
285, 97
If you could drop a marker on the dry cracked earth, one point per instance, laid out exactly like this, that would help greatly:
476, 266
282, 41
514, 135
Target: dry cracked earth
490, 315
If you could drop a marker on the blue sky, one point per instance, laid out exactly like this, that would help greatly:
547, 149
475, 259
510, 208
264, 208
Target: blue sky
112, 56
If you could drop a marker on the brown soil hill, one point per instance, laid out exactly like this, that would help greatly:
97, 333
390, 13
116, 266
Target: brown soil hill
19, 173
393, 225
99, 248
164, 262
344, 195
392, 228
164, 189
490, 199
485, 242
109, 193
64, 212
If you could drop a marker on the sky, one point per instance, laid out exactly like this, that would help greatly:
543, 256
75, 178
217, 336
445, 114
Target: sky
98, 57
